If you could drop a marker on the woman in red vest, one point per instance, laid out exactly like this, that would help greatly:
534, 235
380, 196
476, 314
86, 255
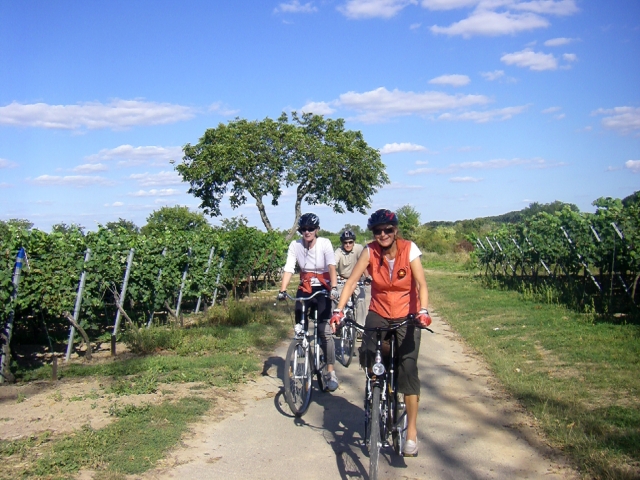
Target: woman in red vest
398, 289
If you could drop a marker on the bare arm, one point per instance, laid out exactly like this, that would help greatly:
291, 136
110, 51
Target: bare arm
286, 278
418, 274
333, 275
352, 281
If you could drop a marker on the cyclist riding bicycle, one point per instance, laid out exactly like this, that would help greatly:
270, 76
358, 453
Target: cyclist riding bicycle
314, 255
346, 257
398, 289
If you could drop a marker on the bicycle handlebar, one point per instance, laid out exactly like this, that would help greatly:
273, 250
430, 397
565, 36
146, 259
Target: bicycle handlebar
392, 327
304, 299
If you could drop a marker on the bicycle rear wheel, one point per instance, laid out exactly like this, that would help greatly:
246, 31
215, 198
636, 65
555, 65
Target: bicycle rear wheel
297, 378
375, 441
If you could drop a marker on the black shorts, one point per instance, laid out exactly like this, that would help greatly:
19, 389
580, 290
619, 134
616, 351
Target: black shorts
319, 303
408, 350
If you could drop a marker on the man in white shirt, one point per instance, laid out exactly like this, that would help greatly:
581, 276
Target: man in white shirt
314, 255
346, 257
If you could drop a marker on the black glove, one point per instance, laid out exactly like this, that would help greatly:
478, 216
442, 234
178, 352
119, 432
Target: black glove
282, 295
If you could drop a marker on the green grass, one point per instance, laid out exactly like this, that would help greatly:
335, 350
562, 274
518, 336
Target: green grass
131, 445
577, 375
221, 348
449, 262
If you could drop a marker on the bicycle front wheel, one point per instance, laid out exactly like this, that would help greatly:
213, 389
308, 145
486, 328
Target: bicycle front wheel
375, 441
344, 349
297, 378
348, 341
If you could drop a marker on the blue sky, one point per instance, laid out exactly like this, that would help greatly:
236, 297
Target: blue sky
479, 107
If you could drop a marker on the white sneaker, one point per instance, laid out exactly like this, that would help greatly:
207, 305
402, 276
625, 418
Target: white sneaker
332, 382
410, 448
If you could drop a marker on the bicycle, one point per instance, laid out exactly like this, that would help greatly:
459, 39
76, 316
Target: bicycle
384, 407
346, 342
304, 360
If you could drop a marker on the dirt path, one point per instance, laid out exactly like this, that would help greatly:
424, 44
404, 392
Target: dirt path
468, 429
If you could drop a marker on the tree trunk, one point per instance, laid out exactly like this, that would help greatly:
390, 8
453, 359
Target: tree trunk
299, 198
84, 335
263, 214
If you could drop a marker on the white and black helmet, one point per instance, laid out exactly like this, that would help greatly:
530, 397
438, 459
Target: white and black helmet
309, 220
347, 235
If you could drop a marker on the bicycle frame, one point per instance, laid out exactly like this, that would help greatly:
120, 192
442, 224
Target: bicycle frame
382, 376
301, 330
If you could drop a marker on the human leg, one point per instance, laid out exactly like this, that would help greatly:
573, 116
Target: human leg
409, 381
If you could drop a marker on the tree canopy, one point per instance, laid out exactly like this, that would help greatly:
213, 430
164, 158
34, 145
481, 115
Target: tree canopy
174, 218
324, 162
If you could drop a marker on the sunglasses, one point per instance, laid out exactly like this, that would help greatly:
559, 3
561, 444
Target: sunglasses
306, 229
349, 242
378, 231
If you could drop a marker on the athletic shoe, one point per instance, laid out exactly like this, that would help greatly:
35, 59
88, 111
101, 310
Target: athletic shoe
332, 382
410, 448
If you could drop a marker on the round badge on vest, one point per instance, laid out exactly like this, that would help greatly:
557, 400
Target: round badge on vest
402, 273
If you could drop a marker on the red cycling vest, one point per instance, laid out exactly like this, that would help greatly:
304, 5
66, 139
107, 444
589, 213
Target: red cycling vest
395, 297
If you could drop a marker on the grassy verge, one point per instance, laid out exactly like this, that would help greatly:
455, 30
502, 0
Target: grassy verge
221, 348
579, 377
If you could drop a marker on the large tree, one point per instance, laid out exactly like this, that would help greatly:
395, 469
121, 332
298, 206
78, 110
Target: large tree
327, 165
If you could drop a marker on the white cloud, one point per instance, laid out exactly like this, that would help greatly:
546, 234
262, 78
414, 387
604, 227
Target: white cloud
551, 110
533, 60
295, 7
422, 162
558, 42
547, 7
381, 104
401, 186
157, 179
514, 16
401, 147
560, 116
129, 155
218, 107
453, 80
114, 204
319, 108
465, 180
373, 8
489, 23
163, 192
4, 163
570, 57
622, 119
633, 165
415, 26
90, 168
447, 4
494, 164
117, 114
486, 115
491, 76
71, 180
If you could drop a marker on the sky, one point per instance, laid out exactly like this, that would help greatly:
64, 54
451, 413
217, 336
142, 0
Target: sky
478, 107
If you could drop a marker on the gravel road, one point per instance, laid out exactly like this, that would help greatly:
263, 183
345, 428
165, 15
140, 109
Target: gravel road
467, 428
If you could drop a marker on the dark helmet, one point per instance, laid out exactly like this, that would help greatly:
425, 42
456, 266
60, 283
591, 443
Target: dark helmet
309, 220
347, 235
382, 217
